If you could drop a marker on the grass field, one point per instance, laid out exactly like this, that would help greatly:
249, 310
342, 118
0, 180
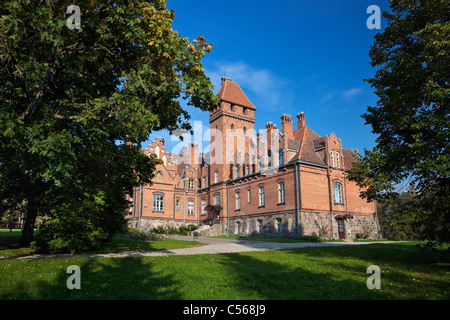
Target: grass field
307, 273
9, 244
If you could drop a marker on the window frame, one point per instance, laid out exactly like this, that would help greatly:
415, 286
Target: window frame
262, 196
158, 204
238, 200
281, 192
191, 205
337, 193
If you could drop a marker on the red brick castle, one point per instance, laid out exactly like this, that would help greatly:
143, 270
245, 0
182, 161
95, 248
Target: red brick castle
266, 183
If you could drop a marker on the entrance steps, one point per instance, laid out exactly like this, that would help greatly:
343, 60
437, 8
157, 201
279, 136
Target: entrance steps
211, 230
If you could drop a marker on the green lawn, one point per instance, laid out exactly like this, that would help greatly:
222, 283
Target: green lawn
307, 273
9, 244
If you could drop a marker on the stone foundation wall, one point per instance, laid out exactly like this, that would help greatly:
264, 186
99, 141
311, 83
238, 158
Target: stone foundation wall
148, 224
282, 225
325, 225
271, 226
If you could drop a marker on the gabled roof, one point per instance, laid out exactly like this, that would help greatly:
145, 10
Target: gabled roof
231, 92
349, 158
307, 151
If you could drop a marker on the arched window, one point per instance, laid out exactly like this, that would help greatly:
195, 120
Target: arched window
203, 206
157, 151
232, 128
261, 196
338, 162
238, 201
337, 187
217, 199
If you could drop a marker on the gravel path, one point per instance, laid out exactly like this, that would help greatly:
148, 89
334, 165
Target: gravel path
211, 246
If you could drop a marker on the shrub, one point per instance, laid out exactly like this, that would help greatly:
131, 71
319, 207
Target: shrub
136, 234
312, 238
68, 234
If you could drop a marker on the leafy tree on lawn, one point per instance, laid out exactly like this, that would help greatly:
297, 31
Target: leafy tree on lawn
396, 221
411, 118
75, 106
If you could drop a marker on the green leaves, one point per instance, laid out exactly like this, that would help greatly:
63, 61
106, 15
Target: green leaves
75, 105
411, 118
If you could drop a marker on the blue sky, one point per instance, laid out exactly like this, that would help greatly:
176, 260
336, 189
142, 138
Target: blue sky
289, 56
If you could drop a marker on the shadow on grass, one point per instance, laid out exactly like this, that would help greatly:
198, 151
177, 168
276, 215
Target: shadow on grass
118, 278
340, 273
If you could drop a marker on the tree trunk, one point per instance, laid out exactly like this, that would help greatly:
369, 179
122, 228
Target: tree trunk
28, 227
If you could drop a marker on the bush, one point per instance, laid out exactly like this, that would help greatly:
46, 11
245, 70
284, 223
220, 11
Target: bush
182, 230
361, 236
68, 234
136, 234
312, 238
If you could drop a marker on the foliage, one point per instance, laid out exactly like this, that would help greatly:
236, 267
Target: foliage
182, 230
311, 238
137, 234
76, 105
411, 118
397, 216
67, 233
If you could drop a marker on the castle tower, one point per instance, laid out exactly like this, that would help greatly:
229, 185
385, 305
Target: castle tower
232, 127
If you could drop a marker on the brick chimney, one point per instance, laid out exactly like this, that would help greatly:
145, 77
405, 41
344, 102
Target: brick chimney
193, 153
270, 132
301, 122
286, 125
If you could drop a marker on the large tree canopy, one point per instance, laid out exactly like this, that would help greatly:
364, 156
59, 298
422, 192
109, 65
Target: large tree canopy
412, 118
76, 104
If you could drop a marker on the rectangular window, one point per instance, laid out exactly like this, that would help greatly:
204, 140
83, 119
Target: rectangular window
261, 196
217, 199
203, 206
216, 177
338, 162
158, 202
249, 195
279, 225
332, 158
281, 192
191, 183
191, 207
178, 204
238, 201
280, 158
